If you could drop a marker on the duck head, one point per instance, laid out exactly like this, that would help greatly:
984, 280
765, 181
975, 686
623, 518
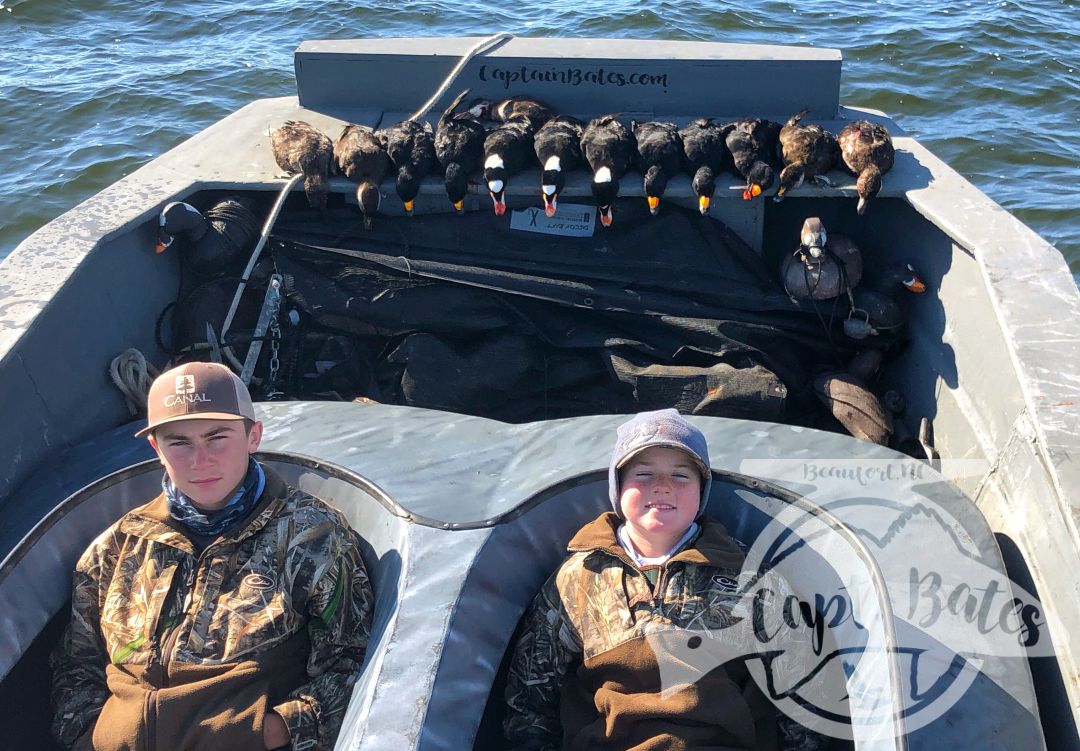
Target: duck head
457, 185
552, 182
604, 190
368, 198
178, 218
758, 179
408, 187
813, 237
791, 177
655, 184
495, 178
868, 185
905, 275
704, 183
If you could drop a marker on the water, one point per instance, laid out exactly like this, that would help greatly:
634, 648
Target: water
90, 91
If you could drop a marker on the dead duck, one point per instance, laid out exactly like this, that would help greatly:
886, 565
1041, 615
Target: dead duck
609, 149
459, 147
755, 152
508, 148
706, 156
211, 241
875, 308
514, 106
866, 149
300, 148
808, 152
851, 401
410, 145
360, 154
558, 149
660, 154
823, 266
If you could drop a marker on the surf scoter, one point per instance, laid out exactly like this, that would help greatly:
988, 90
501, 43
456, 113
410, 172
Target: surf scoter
609, 148
360, 154
507, 150
459, 146
660, 155
301, 148
867, 151
706, 156
808, 151
558, 148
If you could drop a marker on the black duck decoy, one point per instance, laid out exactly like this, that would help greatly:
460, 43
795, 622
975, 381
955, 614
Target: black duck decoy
808, 152
360, 154
660, 155
867, 151
823, 266
411, 147
508, 148
609, 149
558, 149
211, 241
459, 146
755, 150
302, 148
874, 306
706, 156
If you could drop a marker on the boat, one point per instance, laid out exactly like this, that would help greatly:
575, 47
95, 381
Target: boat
466, 498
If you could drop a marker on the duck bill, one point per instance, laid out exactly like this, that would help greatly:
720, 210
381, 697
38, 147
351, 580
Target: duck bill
703, 204
408, 207
753, 190
160, 246
654, 204
605, 216
915, 284
500, 204
780, 194
550, 205
459, 206
367, 222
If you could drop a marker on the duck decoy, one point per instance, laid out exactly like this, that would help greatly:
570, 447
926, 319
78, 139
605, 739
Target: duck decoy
213, 240
301, 148
866, 150
508, 148
823, 266
609, 148
659, 149
851, 401
874, 307
808, 151
755, 150
459, 146
706, 155
410, 145
360, 154
558, 148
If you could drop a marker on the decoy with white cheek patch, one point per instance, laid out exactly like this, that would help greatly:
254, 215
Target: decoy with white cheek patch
867, 151
459, 146
299, 147
361, 155
558, 148
507, 150
706, 157
609, 149
659, 149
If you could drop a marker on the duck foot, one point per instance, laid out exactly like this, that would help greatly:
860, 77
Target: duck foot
824, 181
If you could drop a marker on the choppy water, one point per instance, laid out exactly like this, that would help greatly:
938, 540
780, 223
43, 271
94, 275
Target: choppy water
91, 90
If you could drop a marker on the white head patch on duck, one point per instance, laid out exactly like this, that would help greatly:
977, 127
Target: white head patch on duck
603, 175
495, 186
493, 162
553, 163
548, 189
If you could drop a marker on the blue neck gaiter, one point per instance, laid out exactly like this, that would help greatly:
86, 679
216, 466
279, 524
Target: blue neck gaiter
213, 523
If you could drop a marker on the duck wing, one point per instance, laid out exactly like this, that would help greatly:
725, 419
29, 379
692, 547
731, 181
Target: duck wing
606, 142
300, 147
864, 144
411, 144
522, 105
360, 154
560, 137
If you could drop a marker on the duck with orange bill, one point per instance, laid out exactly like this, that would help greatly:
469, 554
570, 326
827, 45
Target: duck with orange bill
808, 152
706, 156
609, 148
866, 150
755, 150
558, 149
360, 154
660, 154
459, 146
300, 148
507, 150
875, 307
411, 147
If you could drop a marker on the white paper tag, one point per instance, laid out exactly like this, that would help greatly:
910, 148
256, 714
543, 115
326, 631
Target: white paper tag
570, 220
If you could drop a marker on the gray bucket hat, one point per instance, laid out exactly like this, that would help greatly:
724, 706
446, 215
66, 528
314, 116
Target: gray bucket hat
663, 427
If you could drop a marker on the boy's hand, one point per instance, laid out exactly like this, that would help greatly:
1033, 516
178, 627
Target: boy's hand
275, 731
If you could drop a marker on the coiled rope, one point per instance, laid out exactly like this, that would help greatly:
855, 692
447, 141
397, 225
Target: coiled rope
133, 375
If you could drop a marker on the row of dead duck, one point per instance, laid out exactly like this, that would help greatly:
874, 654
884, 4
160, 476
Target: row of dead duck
527, 132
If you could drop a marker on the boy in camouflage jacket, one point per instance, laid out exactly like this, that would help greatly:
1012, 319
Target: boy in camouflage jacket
232, 611
582, 675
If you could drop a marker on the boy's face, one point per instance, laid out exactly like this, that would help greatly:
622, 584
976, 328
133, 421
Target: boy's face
660, 491
206, 459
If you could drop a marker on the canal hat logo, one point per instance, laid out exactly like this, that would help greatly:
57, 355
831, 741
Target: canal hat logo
197, 390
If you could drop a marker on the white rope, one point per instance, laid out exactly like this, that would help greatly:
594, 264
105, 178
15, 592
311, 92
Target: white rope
479, 48
133, 375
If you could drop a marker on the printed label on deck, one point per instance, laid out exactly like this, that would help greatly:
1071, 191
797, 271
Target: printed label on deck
570, 220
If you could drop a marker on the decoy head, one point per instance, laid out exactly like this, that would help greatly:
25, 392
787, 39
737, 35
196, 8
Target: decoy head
179, 218
791, 177
408, 187
495, 179
552, 182
758, 179
368, 198
905, 274
813, 237
457, 185
704, 183
655, 183
604, 190
868, 185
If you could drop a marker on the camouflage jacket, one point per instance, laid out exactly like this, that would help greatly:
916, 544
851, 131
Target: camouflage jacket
588, 669
280, 608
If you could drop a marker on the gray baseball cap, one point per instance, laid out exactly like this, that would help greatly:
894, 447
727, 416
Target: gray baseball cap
662, 427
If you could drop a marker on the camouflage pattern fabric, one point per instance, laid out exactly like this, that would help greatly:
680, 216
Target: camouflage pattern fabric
599, 601
143, 599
